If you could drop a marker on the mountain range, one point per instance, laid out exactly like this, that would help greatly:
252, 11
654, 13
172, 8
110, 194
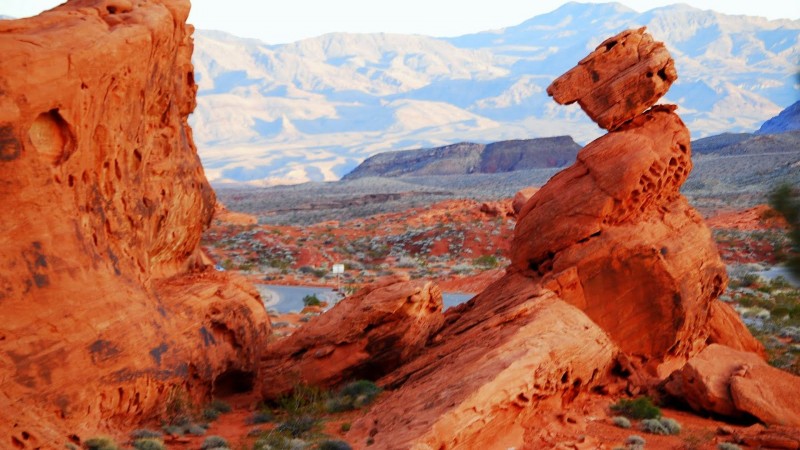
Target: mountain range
313, 110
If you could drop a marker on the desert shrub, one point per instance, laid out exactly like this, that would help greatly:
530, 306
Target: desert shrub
304, 400
210, 414
174, 430
621, 421
145, 434
345, 427
750, 280
178, 407
311, 300
353, 395
100, 443
220, 405
195, 430
298, 426
653, 426
638, 408
486, 261
334, 445
275, 440
661, 426
149, 444
672, 425
786, 200
635, 442
214, 442
260, 417
728, 446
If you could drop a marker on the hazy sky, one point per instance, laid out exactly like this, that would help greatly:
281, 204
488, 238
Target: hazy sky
289, 20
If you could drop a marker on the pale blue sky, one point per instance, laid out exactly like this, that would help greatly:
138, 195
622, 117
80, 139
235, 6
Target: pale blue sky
286, 21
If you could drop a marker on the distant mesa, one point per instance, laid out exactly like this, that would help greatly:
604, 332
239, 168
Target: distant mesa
468, 158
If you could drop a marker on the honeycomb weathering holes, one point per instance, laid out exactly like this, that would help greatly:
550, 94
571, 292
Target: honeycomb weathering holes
51, 137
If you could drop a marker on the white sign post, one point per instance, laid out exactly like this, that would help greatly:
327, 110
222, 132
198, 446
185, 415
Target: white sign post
338, 269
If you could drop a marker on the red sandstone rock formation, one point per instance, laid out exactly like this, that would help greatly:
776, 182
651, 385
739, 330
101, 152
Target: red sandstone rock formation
502, 357
105, 201
522, 197
609, 262
367, 335
624, 76
733, 383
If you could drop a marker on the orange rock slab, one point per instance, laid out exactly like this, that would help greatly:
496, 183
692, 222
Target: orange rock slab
734, 383
501, 359
366, 335
101, 278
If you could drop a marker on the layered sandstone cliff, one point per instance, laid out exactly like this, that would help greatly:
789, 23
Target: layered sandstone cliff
108, 308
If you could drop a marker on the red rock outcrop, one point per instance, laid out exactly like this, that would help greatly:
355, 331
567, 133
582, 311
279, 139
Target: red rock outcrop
733, 383
508, 353
366, 335
610, 265
105, 201
522, 197
624, 76
726, 328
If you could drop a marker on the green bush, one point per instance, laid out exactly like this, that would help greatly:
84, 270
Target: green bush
100, 443
486, 261
311, 300
214, 442
621, 421
639, 408
345, 427
786, 200
149, 444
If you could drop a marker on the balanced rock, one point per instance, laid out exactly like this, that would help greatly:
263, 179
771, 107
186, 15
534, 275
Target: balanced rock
613, 236
610, 265
102, 278
366, 335
624, 76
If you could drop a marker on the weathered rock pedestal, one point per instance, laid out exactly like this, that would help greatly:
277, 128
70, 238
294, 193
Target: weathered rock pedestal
611, 269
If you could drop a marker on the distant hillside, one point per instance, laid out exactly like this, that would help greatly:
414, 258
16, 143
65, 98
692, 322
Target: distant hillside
787, 120
467, 158
314, 109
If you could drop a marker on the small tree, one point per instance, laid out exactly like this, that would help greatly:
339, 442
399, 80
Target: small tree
786, 200
311, 300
